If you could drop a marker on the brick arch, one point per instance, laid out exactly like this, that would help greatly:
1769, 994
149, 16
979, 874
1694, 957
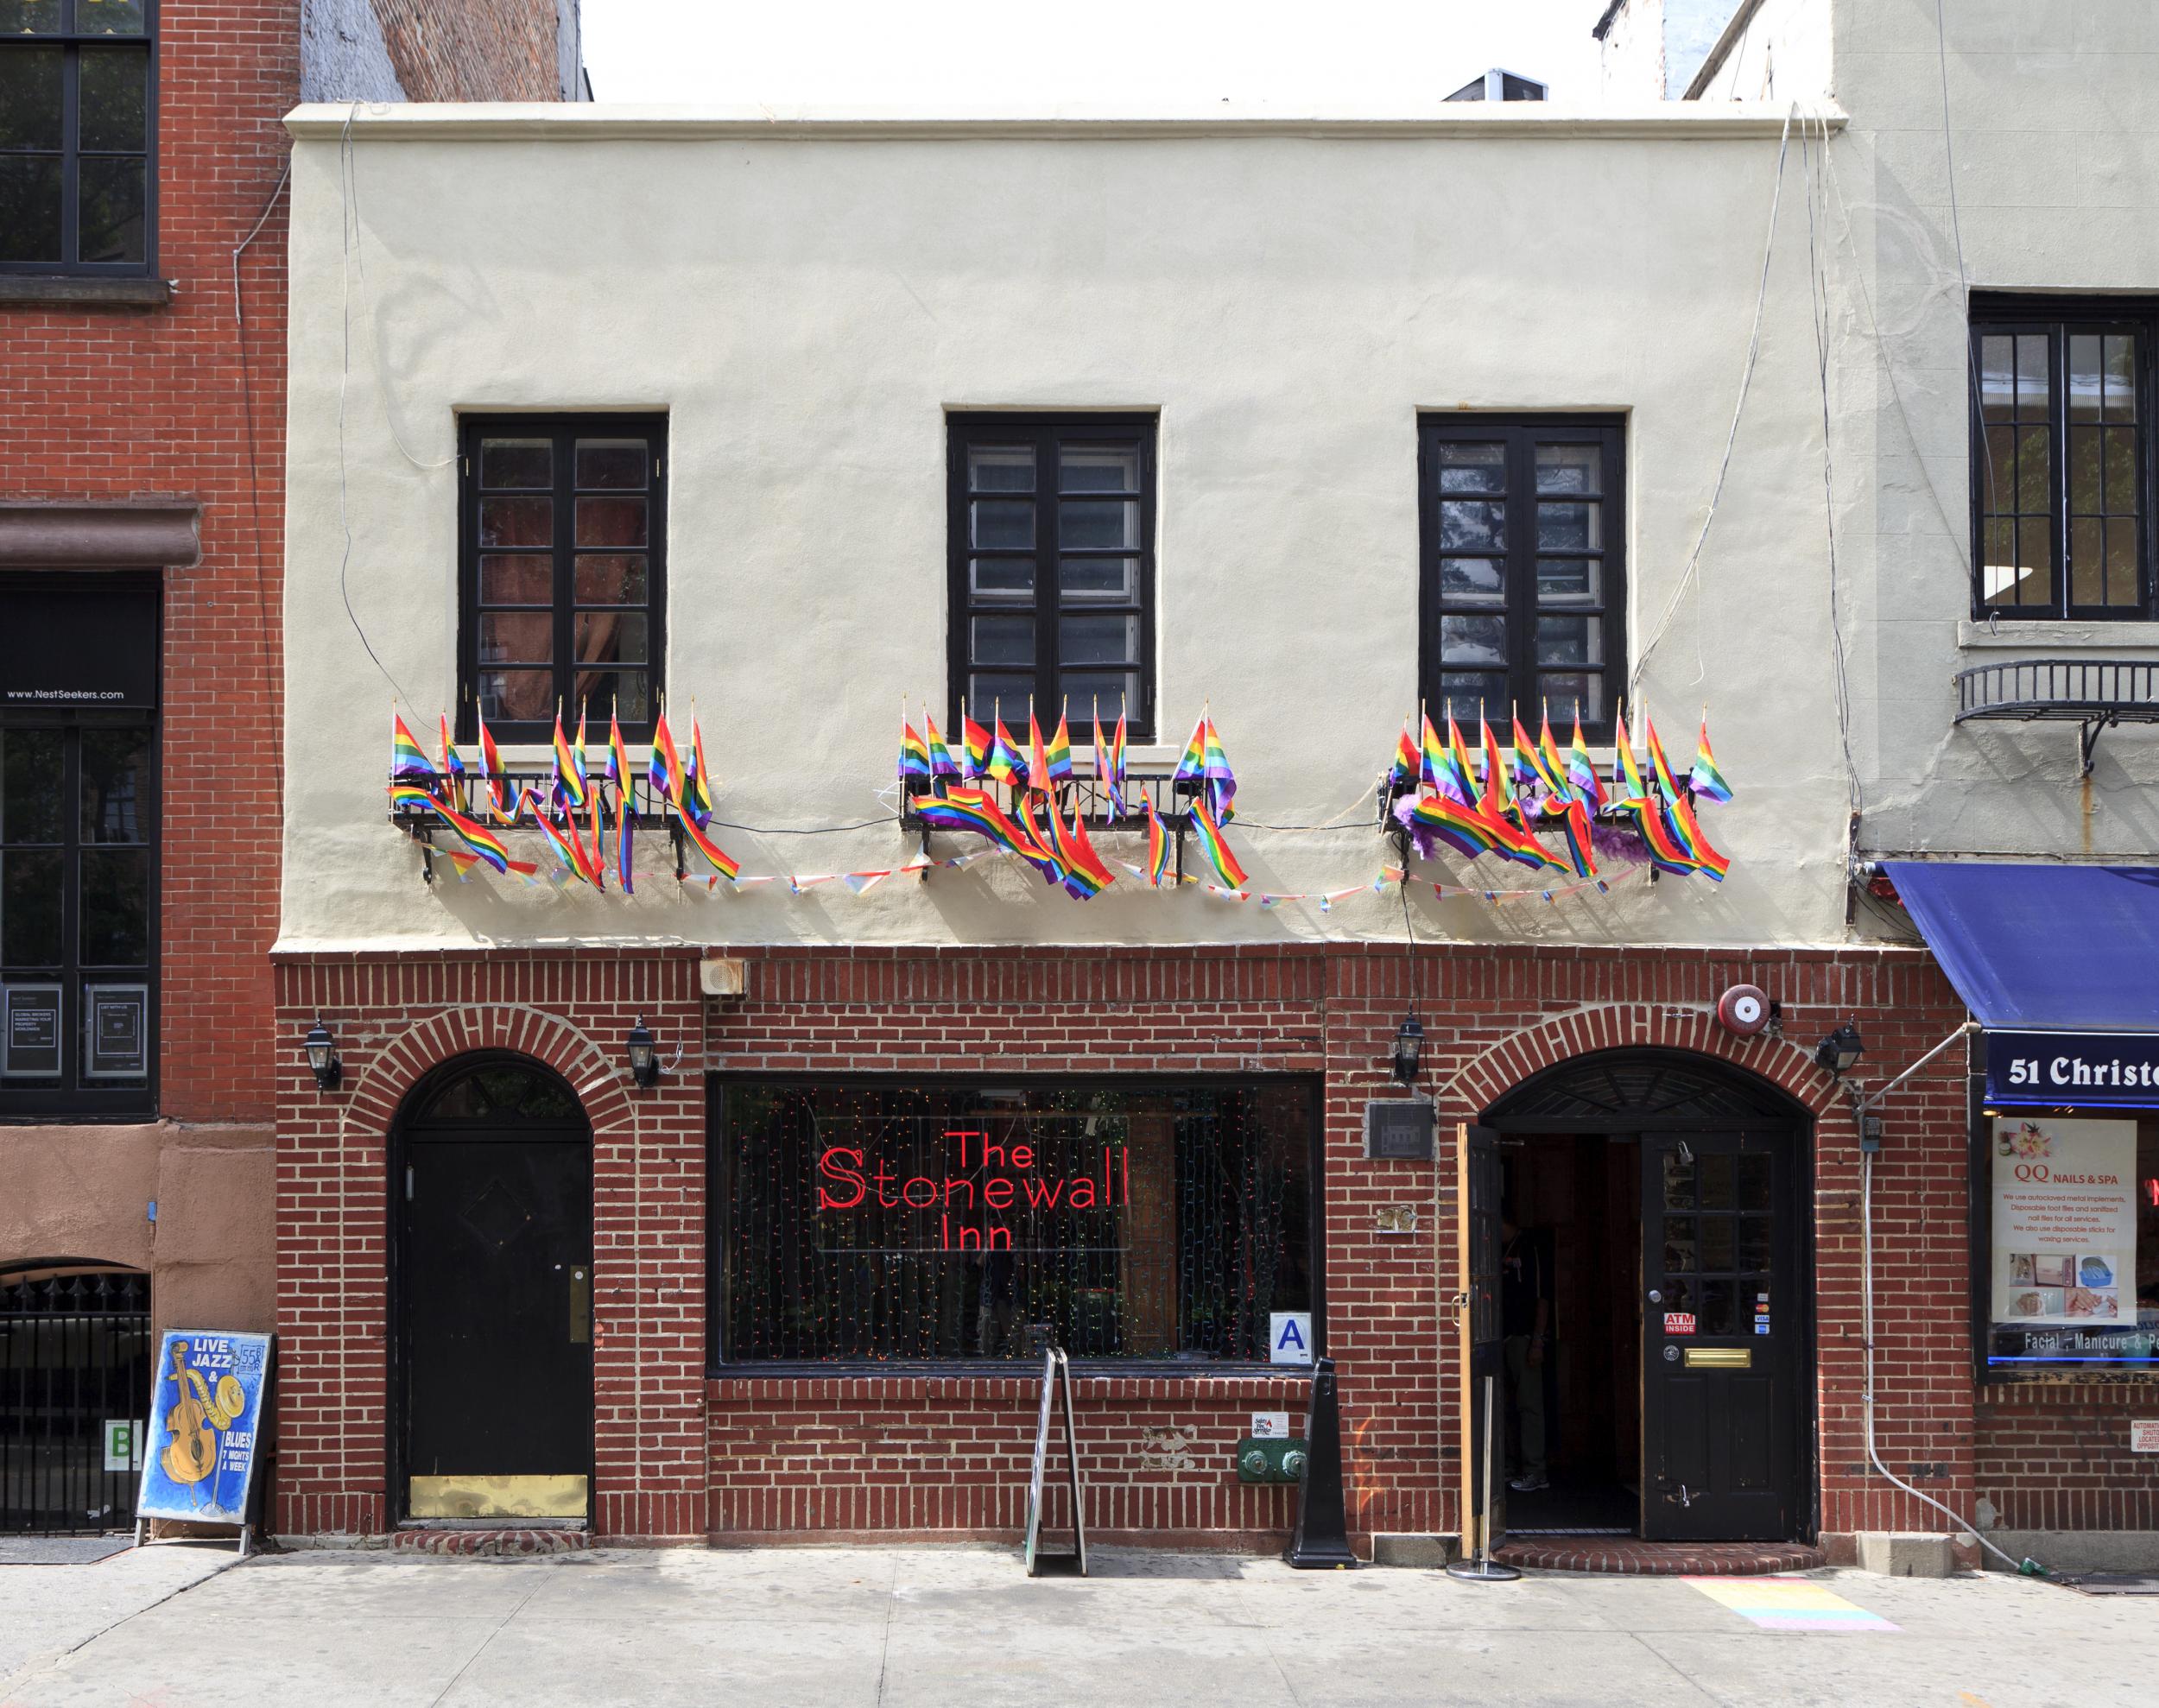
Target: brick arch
1482, 1079
394, 1070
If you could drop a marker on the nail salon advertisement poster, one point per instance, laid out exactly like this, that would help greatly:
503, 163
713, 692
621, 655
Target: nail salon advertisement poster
2065, 1241
207, 1398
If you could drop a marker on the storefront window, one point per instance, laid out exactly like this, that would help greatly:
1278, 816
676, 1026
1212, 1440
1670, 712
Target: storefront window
2074, 1261
864, 1223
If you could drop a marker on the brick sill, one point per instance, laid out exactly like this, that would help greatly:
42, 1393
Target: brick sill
29, 290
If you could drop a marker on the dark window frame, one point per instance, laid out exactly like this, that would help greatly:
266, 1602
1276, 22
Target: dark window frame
718, 1194
1048, 431
563, 428
2062, 318
72, 40
1522, 432
69, 1098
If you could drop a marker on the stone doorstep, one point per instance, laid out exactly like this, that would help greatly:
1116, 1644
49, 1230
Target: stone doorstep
489, 1543
1630, 1556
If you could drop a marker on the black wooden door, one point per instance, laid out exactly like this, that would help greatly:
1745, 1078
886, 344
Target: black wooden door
1723, 1323
1486, 1395
495, 1307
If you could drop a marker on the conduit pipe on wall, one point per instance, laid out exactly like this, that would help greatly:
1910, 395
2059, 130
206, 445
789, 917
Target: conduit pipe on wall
1860, 1106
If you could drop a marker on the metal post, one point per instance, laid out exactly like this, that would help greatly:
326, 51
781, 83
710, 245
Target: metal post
1481, 1570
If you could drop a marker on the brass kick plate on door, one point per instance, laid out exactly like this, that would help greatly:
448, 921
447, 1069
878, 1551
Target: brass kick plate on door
1720, 1357
497, 1497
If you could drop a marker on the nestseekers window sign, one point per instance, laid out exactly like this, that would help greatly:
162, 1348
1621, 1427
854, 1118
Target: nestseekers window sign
2074, 1275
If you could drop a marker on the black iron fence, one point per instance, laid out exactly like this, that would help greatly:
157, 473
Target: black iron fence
74, 1398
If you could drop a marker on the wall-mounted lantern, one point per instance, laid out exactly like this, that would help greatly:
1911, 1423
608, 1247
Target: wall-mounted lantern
323, 1059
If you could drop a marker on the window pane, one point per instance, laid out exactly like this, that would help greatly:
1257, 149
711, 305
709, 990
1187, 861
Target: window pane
1467, 525
1099, 521
29, 796
29, 207
1469, 694
1473, 640
518, 578
2121, 561
1473, 581
1998, 377
30, 908
1001, 468
2034, 492
1570, 468
1570, 581
1107, 694
1472, 468
2087, 561
1717, 1181
526, 463
1754, 1183
2121, 469
516, 521
1570, 527
518, 696
1004, 523
1569, 692
116, 907
1099, 469
110, 214
1679, 1245
988, 690
2121, 377
27, 18
1097, 640
610, 579
110, 17
626, 695
1003, 581
115, 768
113, 113
1570, 639
1719, 1242
1998, 475
610, 521
2085, 381
2033, 366
611, 463
1113, 580
30, 98
1754, 1246
516, 637
1002, 640
1718, 1315
611, 637
2035, 560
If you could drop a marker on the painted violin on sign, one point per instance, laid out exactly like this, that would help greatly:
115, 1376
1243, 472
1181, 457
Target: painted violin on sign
197, 1418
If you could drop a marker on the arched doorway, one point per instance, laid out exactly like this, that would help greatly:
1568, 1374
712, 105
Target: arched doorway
491, 1194
1660, 1204
75, 1354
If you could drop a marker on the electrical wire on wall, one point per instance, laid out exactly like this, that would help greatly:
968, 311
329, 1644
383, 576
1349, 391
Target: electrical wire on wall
265, 625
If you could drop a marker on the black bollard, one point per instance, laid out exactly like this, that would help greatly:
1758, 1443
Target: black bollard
1322, 1538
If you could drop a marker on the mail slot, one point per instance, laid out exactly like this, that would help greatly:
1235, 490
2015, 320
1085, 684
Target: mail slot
1720, 1357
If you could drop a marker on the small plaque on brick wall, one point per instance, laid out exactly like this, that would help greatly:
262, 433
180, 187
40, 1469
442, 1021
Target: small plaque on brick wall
1399, 1129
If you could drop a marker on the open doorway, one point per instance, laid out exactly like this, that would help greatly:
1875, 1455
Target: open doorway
1574, 1201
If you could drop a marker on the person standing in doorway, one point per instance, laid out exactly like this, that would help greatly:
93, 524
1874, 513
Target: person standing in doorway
1525, 1317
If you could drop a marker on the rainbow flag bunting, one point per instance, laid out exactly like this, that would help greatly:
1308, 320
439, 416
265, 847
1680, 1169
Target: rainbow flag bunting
1582, 769
1218, 852
1706, 780
407, 758
1157, 848
478, 840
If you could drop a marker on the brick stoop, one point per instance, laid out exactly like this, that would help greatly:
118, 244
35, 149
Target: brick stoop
1631, 1557
491, 1543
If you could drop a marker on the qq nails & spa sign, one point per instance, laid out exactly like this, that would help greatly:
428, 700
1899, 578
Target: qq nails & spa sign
2064, 1280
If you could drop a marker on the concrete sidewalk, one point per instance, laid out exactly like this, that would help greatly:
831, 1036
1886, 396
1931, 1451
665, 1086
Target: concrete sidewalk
841, 1627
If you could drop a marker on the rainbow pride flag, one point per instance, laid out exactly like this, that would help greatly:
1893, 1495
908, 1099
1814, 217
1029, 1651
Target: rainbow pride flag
453, 767
1038, 779
1628, 789
617, 760
914, 755
941, 762
1060, 753
715, 856
972, 809
1456, 823
664, 771
564, 846
1667, 785
478, 840
1525, 768
1209, 830
1582, 769
623, 872
1403, 773
407, 758
1118, 808
1081, 870
1498, 781
1698, 846
1221, 781
1553, 769
1457, 768
1157, 848
1580, 854
1666, 853
697, 787
498, 803
1006, 766
569, 767
974, 740
1706, 780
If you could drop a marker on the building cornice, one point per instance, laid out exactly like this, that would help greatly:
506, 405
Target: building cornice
591, 122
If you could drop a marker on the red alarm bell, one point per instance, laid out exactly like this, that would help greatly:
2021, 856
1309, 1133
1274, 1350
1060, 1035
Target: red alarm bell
1743, 1010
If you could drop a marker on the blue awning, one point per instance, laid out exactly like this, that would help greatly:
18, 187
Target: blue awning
2041, 947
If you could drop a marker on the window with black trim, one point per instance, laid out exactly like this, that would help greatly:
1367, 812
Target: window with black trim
867, 1222
1052, 553
2061, 458
77, 136
1523, 593
563, 575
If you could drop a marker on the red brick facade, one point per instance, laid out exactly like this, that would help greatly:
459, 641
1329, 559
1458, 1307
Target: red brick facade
744, 1457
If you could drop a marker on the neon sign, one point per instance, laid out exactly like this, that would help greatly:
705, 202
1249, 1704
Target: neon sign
992, 1179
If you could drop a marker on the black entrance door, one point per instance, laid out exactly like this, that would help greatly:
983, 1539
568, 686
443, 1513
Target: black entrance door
1485, 1397
495, 1299
1722, 1326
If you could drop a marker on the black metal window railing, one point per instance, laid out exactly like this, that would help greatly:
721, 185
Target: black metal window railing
870, 1222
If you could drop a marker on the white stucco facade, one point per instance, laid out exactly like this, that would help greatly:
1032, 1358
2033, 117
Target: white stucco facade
806, 297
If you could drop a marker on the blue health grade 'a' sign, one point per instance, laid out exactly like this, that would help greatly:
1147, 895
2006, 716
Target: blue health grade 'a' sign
2064, 1070
206, 1409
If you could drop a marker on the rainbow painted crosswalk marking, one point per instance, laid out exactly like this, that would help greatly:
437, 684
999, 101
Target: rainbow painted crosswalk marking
1790, 1604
